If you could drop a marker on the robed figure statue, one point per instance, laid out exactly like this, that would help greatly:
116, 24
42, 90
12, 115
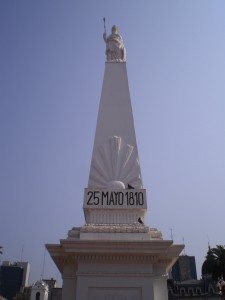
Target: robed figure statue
115, 50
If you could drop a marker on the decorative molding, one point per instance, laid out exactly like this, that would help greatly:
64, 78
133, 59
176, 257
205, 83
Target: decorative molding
115, 228
112, 162
119, 216
155, 234
118, 228
115, 258
74, 232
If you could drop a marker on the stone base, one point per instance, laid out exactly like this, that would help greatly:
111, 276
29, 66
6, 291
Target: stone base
97, 264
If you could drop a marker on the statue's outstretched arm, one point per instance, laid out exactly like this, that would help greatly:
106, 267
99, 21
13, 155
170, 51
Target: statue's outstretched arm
104, 37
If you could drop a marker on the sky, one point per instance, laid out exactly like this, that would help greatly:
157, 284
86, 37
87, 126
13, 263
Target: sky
52, 60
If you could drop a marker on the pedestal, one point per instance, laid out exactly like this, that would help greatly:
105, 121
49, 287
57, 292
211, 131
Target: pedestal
101, 268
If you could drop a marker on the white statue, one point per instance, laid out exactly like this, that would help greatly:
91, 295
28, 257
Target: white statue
115, 50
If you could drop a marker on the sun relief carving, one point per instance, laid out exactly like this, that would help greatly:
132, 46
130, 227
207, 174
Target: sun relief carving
115, 165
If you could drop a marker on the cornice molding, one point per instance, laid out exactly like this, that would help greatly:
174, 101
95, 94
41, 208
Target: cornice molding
115, 228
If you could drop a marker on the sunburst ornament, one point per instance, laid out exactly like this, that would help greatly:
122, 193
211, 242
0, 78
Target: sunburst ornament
115, 165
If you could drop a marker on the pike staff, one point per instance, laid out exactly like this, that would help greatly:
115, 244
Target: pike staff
104, 25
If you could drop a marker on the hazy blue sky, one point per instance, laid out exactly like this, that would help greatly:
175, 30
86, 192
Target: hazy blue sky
52, 60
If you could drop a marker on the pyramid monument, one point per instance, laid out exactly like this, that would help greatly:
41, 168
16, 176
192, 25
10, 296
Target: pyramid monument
115, 255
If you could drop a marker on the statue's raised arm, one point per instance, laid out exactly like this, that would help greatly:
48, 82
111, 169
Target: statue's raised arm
115, 50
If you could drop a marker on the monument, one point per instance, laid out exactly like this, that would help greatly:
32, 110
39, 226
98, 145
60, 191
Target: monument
114, 256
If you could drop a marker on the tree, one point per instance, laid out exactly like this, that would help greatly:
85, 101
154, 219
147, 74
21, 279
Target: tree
215, 263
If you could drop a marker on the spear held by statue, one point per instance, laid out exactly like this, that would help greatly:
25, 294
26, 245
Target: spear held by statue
104, 25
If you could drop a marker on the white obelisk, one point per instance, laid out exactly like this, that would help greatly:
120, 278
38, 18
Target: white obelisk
115, 194
114, 255
115, 133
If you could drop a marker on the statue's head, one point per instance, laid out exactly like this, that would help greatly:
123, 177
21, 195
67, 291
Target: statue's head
114, 29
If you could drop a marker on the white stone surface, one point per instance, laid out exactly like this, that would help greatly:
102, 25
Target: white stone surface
114, 232
105, 268
115, 161
106, 293
115, 155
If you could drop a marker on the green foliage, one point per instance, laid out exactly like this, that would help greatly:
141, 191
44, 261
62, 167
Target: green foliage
215, 263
